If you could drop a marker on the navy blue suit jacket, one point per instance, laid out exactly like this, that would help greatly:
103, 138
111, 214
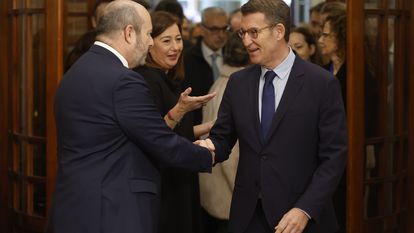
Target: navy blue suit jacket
303, 158
111, 142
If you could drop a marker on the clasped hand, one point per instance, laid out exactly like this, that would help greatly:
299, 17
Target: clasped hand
207, 143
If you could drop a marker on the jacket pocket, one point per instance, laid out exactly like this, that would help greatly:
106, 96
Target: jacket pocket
143, 186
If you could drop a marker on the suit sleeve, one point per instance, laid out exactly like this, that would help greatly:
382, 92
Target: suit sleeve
223, 133
141, 121
332, 151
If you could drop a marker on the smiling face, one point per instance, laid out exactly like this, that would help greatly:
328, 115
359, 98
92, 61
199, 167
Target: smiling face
262, 50
298, 43
167, 47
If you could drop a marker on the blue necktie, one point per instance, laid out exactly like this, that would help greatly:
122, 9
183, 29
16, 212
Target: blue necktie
268, 103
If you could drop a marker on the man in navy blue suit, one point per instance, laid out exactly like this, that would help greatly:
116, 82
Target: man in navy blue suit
289, 119
111, 137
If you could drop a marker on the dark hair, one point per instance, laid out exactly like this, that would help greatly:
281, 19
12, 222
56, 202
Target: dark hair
337, 24
117, 17
317, 8
173, 7
334, 8
96, 5
161, 21
310, 40
234, 53
275, 11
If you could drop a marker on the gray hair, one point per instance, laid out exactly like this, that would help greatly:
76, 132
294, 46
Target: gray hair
212, 11
116, 17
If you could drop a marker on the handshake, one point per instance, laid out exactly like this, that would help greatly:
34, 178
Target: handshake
207, 143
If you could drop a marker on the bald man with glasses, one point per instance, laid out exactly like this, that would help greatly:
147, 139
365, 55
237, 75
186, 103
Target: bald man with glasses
203, 61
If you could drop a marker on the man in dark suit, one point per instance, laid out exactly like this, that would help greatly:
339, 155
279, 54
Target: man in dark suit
111, 137
289, 118
202, 62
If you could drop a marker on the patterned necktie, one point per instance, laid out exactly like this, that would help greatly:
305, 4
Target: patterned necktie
214, 66
268, 102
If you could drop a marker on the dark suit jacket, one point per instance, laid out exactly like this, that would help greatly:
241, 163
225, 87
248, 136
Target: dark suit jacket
180, 197
301, 162
111, 138
198, 75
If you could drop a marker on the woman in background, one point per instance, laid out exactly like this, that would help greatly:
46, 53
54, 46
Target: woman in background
304, 43
163, 71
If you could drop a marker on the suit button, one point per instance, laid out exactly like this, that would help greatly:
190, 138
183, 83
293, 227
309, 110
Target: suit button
263, 158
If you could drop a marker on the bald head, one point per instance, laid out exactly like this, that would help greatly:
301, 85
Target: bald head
126, 26
119, 14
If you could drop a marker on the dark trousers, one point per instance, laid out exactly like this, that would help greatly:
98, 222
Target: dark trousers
214, 225
258, 223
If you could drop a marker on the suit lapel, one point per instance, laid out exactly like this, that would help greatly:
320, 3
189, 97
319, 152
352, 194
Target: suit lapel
254, 82
293, 86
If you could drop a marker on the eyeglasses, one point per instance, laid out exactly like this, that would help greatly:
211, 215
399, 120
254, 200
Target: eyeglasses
217, 29
253, 32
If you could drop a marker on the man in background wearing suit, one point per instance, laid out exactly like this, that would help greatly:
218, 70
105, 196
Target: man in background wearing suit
202, 62
289, 118
111, 137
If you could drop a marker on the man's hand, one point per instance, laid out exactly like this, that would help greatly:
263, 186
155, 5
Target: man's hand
293, 221
207, 143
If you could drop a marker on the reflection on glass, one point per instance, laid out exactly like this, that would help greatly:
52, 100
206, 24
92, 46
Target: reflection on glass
39, 159
372, 200
390, 78
37, 4
372, 97
372, 160
392, 4
77, 6
39, 199
372, 4
38, 111
76, 27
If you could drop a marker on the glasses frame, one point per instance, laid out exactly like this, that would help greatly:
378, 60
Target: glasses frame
253, 32
217, 29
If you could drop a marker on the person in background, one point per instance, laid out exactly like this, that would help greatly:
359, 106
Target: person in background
202, 62
304, 43
175, 8
315, 20
86, 41
333, 45
111, 137
163, 72
195, 33
289, 118
235, 20
332, 9
216, 189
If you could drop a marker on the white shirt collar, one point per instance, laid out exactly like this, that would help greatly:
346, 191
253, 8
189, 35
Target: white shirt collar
207, 51
283, 69
116, 53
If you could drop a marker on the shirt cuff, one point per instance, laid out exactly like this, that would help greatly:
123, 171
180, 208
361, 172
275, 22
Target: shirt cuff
305, 213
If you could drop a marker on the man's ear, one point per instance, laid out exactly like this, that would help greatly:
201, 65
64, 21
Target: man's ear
129, 34
280, 29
